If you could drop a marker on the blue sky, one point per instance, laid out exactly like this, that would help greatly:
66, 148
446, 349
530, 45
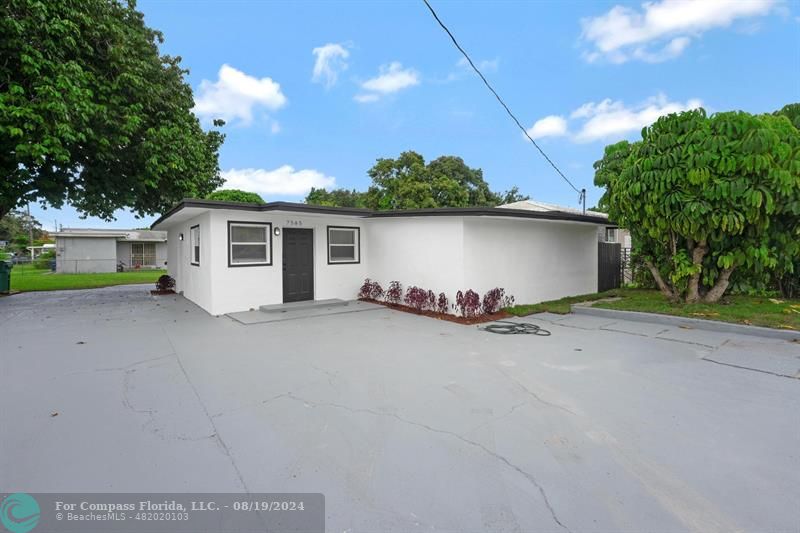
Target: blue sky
580, 74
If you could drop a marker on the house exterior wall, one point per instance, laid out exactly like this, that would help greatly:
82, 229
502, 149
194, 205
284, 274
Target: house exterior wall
219, 288
76, 255
424, 251
194, 281
124, 253
247, 287
532, 261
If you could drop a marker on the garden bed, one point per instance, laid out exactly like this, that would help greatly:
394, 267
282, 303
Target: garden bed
479, 319
158, 292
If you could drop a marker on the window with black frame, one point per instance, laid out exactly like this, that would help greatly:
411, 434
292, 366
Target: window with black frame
249, 244
194, 241
344, 244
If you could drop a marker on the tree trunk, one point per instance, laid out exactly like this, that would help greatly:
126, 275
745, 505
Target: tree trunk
719, 287
665, 289
698, 253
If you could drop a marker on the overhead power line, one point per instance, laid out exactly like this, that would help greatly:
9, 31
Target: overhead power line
582, 192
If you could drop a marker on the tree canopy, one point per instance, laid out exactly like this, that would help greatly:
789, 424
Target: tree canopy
336, 198
92, 114
704, 196
235, 195
408, 182
16, 227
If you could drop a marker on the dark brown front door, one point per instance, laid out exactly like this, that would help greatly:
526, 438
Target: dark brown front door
298, 264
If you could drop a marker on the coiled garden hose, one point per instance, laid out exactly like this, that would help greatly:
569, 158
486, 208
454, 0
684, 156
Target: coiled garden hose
506, 327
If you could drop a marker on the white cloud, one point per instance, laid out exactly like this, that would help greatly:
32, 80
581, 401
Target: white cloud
235, 94
284, 180
661, 30
484, 65
331, 60
608, 120
550, 126
613, 119
392, 78
366, 98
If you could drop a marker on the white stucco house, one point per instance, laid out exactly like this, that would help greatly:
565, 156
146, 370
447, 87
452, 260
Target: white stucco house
229, 257
82, 250
605, 233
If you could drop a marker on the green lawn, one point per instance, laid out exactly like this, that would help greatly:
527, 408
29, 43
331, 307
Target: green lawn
28, 278
751, 310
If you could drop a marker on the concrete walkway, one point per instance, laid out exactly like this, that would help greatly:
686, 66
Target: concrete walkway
404, 423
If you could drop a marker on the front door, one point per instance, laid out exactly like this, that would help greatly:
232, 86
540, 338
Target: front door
298, 264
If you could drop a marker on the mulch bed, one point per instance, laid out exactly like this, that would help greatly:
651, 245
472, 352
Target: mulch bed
480, 319
162, 293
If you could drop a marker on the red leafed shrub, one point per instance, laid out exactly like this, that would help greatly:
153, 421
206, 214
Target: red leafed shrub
468, 303
442, 303
495, 300
416, 297
430, 301
394, 293
370, 290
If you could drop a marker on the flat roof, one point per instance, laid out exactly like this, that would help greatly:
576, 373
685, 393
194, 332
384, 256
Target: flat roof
124, 234
369, 213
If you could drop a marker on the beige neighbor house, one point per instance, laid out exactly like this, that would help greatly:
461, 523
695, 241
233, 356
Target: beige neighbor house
608, 233
80, 250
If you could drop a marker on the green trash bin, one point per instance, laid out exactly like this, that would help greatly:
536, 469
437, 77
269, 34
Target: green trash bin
5, 276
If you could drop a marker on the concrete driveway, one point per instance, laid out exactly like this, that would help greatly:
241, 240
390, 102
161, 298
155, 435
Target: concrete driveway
404, 423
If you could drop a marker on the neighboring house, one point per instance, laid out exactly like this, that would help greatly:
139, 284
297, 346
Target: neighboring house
608, 233
230, 257
36, 251
101, 250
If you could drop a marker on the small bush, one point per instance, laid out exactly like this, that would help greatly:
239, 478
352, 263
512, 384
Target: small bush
417, 298
165, 283
442, 303
370, 290
43, 261
395, 293
430, 301
495, 300
468, 303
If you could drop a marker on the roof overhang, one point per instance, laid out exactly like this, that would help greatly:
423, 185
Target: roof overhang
190, 208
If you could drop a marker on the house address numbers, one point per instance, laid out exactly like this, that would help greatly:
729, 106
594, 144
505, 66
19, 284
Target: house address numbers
294, 222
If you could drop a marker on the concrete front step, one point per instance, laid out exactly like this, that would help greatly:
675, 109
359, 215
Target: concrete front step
307, 304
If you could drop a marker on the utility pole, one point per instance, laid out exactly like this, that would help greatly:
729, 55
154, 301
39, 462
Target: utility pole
583, 199
30, 228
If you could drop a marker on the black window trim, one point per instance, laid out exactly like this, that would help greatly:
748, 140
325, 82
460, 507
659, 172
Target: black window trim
191, 245
328, 245
249, 223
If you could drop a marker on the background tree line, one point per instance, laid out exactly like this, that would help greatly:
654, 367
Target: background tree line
408, 182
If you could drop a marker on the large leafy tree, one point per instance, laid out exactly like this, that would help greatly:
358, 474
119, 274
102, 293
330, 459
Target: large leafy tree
608, 168
704, 196
92, 114
408, 182
235, 195
17, 226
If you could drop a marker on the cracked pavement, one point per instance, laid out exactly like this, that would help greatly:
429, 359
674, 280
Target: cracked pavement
404, 423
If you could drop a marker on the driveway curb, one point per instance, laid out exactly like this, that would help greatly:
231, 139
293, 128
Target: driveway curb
696, 323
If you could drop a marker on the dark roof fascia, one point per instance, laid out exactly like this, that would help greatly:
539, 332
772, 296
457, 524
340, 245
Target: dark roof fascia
368, 213
492, 212
271, 206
